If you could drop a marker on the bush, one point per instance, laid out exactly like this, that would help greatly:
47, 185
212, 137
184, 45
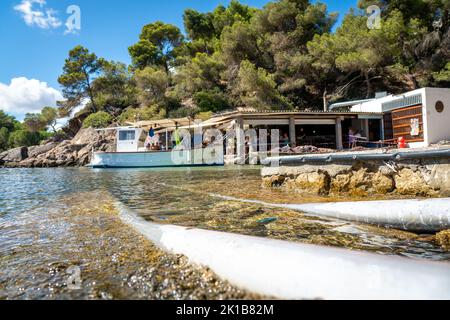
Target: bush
24, 138
4, 136
212, 100
154, 112
98, 120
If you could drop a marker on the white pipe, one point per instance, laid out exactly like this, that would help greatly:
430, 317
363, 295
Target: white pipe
348, 103
424, 215
299, 271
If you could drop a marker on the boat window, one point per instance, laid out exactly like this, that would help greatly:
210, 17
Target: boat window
127, 135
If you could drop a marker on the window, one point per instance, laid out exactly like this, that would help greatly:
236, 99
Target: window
127, 135
440, 106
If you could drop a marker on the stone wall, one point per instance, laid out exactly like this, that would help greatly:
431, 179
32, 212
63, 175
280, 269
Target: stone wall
415, 177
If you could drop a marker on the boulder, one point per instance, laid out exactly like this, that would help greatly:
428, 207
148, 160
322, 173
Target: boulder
274, 181
409, 182
75, 152
361, 182
382, 184
85, 137
35, 151
14, 155
443, 239
440, 178
316, 183
340, 183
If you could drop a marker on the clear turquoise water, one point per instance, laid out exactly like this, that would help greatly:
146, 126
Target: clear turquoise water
30, 198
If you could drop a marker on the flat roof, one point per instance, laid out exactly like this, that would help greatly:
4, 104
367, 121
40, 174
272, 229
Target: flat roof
277, 113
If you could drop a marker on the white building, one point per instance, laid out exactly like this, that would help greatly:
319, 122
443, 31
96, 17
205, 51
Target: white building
421, 116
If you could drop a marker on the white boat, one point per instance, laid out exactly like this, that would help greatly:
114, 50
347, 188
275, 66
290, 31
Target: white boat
131, 152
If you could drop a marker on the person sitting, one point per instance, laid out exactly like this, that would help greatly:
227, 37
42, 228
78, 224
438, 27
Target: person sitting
285, 141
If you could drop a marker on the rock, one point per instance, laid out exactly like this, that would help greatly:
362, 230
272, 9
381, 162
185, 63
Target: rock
409, 182
35, 151
313, 183
274, 181
28, 163
85, 137
382, 184
14, 155
75, 152
440, 179
361, 182
443, 239
340, 183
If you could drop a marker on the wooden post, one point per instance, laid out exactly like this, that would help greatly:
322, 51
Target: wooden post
339, 139
292, 132
240, 141
167, 140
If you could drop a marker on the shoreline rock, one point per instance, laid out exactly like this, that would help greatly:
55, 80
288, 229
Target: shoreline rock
68, 153
415, 178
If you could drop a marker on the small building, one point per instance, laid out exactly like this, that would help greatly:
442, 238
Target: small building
421, 116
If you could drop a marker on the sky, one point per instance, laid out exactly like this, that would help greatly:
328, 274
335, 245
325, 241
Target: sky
35, 39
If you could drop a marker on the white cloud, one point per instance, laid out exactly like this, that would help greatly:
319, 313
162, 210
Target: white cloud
38, 15
24, 95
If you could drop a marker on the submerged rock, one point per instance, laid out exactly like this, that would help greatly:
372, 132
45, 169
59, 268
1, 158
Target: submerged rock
443, 239
274, 181
409, 182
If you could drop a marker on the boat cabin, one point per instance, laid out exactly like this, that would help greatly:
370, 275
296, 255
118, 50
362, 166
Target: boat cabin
130, 139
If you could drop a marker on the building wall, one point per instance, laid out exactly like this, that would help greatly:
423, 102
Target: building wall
437, 125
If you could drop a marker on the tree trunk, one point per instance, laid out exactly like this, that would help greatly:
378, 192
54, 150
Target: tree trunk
412, 79
369, 84
91, 95
325, 101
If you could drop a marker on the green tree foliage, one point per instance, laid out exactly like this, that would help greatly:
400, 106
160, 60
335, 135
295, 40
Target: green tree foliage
24, 138
50, 115
257, 89
152, 84
79, 70
113, 88
39, 122
34, 122
283, 56
203, 72
240, 42
7, 121
156, 46
199, 26
4, 136
425, 11
98, 120
443, 75
227, 16
132, 115
211, 101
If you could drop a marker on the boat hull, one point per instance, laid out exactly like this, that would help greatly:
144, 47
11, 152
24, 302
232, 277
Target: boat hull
192, 158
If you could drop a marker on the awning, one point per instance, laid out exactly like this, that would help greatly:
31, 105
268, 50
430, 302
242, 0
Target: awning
162, 124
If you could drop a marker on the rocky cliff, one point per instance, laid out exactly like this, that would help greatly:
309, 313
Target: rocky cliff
75, 152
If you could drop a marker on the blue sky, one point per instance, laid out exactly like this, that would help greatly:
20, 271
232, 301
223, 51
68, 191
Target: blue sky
108, 27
